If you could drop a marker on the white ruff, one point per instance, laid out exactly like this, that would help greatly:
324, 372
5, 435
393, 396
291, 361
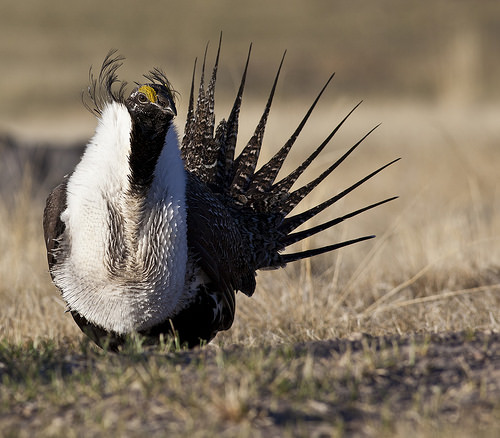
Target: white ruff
149, 286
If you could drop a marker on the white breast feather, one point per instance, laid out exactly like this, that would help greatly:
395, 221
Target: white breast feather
101, 178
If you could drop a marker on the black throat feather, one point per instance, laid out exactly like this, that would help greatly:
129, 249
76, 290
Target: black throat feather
146, 144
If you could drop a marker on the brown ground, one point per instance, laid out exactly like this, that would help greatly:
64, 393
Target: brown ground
362, 386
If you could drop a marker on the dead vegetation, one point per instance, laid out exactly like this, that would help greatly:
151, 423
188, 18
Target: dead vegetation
393, 337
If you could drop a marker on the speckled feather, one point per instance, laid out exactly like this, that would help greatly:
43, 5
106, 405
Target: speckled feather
251, 193
237, 217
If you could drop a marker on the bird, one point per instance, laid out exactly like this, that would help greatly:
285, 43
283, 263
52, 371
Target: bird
154, 235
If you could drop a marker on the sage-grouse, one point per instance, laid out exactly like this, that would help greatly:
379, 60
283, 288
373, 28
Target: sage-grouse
148, 236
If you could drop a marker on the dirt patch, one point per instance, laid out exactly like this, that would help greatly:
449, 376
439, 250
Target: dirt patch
363, 383
420, 384
450, 378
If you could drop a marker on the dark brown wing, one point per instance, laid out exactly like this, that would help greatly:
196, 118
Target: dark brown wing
222, 251
53, 226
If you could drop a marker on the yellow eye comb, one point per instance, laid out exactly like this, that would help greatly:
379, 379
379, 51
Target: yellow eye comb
149, 92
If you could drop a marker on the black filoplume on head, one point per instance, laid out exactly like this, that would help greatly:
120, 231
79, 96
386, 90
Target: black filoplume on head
152, 109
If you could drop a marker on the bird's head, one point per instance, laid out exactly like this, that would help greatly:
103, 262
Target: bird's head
152, 106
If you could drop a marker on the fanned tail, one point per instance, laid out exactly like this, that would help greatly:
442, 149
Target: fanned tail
263, 203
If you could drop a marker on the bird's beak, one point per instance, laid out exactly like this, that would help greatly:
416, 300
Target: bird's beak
170, 109
167, 105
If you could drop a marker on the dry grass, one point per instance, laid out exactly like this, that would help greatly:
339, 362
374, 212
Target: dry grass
434, 265
433, 268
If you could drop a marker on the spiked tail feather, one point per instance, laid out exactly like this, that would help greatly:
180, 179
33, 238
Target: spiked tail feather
262, 205
301, 235
247, 160
286, 183
299, 194
283, 259
266, 175
190, 117
229, 146
290, 223
200, 128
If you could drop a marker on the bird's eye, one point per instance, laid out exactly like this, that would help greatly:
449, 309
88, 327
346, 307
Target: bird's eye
142, 98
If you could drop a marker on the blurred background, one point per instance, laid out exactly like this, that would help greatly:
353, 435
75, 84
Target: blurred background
429, 71
433, 52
